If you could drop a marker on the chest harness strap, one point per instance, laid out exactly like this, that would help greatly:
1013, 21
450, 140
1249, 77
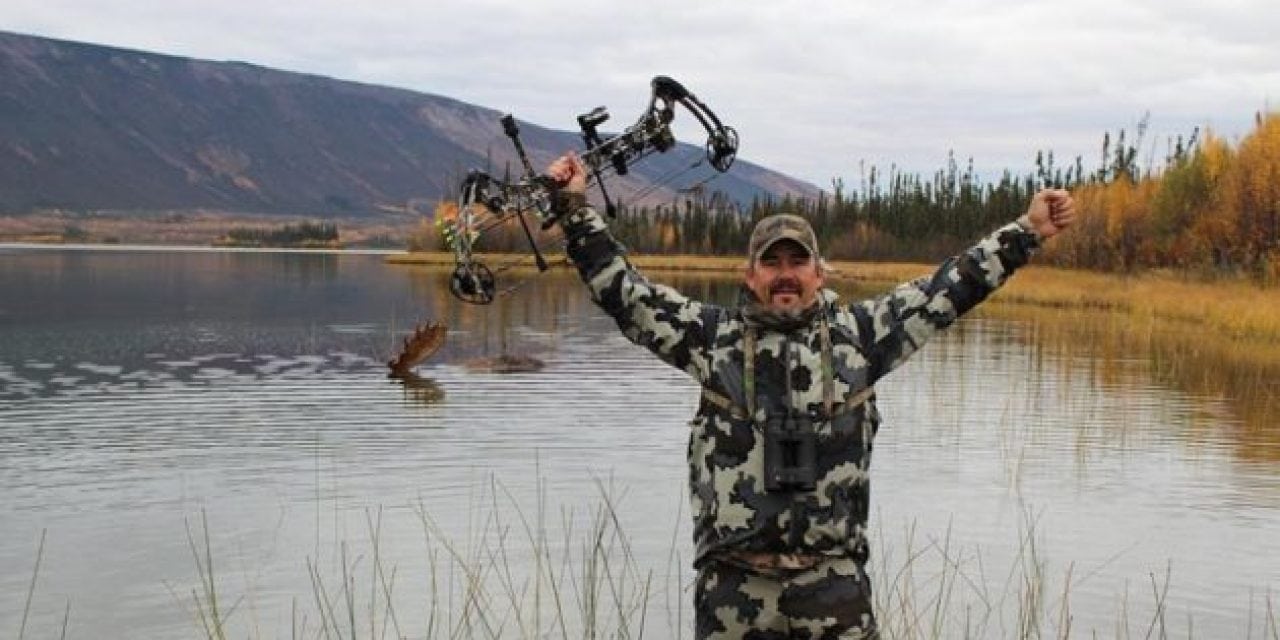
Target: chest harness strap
749, 380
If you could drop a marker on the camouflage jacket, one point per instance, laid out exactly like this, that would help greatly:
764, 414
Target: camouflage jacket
841, 352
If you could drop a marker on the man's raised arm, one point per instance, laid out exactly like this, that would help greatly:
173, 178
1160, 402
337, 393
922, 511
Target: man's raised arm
894, 325
655, 316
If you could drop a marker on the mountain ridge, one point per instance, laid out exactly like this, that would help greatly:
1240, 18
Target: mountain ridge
90, 127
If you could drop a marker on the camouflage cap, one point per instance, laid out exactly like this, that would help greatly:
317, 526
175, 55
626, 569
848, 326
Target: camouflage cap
782, 226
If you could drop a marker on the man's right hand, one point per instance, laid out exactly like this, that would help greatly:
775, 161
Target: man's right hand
569, 172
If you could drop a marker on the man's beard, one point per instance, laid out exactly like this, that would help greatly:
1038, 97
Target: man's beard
758, 312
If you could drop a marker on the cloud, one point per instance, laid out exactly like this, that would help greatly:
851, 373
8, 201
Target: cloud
813, 87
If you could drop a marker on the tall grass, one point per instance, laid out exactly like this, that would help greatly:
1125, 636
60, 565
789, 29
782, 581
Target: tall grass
31, 593
31, 590
511, 578
1229, 307
1188, 354
204, 607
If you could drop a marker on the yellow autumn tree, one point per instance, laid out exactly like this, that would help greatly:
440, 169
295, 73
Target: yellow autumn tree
1087, 245
1116, 224
1257, 198
429, 235
1218, 208
1207, 236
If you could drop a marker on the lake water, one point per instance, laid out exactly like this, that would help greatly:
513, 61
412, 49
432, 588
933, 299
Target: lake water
1031, 463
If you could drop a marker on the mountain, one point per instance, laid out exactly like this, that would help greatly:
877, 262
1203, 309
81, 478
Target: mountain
87, 127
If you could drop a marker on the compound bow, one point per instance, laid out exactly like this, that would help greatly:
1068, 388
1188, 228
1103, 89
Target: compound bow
486, 202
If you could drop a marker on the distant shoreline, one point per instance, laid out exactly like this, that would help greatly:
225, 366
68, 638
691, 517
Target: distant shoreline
85, 246
733, 265
1230, 307
190, 228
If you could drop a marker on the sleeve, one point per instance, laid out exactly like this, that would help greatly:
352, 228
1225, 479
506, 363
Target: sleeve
895, 325
675, 328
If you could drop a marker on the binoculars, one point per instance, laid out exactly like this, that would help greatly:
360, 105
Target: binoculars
790, 453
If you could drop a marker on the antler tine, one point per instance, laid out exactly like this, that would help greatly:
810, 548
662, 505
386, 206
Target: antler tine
426, 339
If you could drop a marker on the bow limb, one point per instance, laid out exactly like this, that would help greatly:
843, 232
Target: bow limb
722, 141
471, 281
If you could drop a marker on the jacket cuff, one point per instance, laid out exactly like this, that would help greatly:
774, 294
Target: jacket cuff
566, 202
1024, 221
1016, 245
581, 222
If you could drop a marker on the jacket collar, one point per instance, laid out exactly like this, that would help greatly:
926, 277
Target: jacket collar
757, 315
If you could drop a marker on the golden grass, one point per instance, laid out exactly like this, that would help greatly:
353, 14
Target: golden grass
1228, 307
1207, 338
1224, 308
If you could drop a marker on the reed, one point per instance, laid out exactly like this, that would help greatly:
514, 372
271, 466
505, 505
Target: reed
204, 604
1187, 356
1232, 308
31, 590
31, 593
510, 577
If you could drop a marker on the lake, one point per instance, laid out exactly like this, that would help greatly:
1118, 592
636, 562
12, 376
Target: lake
1046, 470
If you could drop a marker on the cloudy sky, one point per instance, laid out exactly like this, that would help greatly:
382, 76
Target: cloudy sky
814, 88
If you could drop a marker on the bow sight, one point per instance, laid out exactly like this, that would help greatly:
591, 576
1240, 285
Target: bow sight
485, 202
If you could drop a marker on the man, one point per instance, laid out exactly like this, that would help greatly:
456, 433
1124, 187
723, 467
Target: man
780, 448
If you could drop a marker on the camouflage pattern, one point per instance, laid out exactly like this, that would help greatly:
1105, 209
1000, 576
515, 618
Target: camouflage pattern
782, 226
732, 511
831, 600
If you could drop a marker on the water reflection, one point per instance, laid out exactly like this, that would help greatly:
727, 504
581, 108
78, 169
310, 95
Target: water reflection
138, 389
1235, 376
420, 390
91, 321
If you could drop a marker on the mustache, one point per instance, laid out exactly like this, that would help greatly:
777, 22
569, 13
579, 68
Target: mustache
785, 285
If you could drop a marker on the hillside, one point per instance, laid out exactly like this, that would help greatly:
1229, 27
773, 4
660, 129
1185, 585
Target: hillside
93, 128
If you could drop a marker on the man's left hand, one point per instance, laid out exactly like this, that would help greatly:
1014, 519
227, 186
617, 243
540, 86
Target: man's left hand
1051, 211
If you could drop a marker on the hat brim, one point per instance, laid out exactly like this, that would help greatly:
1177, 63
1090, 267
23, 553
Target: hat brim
795, 235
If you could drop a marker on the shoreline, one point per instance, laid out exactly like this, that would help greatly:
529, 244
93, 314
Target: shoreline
193, 248
1229, 307
728, 265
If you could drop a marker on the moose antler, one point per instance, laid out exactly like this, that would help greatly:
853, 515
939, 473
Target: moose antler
427, 339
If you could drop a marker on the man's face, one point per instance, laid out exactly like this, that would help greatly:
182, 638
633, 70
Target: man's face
786, 277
